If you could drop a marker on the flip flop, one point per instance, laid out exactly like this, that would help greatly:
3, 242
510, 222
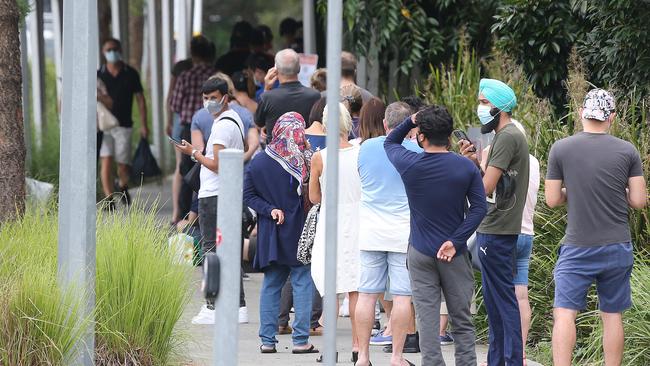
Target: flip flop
409, 362
268, 350
311, 349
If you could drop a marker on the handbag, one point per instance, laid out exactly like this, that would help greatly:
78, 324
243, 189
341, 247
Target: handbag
306, 241
105, 119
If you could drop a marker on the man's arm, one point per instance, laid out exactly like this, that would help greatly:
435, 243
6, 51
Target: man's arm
142, 106
555, 194
637, 195
197, 139
476, 213
212, 164
401, 157
491, 178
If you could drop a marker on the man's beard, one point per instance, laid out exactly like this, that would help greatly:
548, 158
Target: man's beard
490, 126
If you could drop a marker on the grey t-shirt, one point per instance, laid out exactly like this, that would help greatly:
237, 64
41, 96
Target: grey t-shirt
509, 153
595, 169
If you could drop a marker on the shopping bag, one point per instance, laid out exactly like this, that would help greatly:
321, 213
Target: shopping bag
144, 164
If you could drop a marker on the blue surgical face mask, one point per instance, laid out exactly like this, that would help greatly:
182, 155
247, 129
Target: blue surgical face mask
213, 106
484, 115
113, 56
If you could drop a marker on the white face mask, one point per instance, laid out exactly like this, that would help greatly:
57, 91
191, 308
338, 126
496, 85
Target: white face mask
213, 106
483, 113
113, 56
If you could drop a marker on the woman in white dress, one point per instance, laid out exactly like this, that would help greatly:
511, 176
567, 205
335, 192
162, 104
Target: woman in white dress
347, 259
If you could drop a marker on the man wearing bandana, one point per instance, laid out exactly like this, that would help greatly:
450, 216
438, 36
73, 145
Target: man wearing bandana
505, 180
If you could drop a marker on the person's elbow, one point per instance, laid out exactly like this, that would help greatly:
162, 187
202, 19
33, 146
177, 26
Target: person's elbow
553, 200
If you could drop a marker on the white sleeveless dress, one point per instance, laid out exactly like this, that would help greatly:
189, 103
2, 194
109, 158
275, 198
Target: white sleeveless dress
347, 259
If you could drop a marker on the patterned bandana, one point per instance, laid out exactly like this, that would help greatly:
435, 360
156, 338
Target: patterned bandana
289, 147
598, 104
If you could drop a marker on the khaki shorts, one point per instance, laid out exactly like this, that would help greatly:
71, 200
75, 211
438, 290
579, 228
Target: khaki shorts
116, 143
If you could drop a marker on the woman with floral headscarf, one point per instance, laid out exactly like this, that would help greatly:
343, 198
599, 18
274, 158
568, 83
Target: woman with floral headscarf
273, 187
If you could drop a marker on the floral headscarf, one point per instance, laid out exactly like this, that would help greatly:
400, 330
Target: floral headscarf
289, 147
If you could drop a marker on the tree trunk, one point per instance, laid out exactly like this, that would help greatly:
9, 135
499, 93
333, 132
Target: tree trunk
136, 29
12, 143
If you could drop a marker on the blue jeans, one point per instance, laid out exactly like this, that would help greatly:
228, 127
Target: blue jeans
496, 253
275, 276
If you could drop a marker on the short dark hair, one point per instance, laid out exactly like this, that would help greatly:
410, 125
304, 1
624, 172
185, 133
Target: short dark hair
348, 65
243, 82
266, 32
260, 61
316, 113
241, 34
202, 48
436, 124
215, 84
257, 37
113, 40
318, 79
289, 26
414, 102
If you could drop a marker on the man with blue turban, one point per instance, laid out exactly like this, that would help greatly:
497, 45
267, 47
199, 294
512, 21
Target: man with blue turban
505, 179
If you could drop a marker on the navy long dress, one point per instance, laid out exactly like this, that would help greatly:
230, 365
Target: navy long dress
268, 186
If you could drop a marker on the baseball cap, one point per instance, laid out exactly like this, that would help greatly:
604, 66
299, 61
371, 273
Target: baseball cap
599, 105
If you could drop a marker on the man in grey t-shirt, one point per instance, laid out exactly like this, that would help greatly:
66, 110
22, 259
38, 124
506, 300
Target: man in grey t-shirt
602, 175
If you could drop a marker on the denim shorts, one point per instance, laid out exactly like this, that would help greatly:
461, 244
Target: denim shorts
609, 266
177, 127
522, 256
377, 267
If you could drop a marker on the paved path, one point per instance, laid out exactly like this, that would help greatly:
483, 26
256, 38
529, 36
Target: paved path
198, 349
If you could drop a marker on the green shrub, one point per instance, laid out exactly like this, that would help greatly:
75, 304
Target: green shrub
141, 292
456, 88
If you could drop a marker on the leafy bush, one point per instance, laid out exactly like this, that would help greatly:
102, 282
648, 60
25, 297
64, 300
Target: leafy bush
456, 88
141, 292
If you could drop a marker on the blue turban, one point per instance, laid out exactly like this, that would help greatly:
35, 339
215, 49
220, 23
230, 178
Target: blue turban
498, 93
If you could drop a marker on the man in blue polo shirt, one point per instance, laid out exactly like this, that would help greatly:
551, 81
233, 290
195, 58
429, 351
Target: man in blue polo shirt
438, 184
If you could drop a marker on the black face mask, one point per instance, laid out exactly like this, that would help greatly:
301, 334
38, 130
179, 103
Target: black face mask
490, 126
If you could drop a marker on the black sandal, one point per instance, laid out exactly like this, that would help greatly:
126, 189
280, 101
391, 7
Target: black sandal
268, 350
355, 357
311, 349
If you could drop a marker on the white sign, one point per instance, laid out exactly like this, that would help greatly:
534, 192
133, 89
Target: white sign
308, 64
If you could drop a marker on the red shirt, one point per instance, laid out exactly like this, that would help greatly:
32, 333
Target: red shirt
186, 97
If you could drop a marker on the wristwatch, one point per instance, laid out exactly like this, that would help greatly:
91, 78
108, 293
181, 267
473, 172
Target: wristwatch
192, 156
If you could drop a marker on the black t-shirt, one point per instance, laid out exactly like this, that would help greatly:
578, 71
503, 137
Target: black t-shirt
233, 61
180, 66
288, 97
121, 89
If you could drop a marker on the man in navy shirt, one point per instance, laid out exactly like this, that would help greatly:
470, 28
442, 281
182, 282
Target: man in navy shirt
438, 184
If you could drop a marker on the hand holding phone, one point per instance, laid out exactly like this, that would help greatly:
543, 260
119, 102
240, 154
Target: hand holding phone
461, 135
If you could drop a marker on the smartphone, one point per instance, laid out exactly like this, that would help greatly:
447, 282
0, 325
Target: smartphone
174, 141
461, 135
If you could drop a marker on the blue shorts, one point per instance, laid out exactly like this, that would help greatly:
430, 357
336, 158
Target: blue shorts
522, 256
377, 267
610, 266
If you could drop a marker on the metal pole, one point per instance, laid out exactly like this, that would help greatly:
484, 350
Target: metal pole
166, 31
331, 304
197, 19
226, 314
309, 27
35, 23
25, 93
116, 30
181, 29
77, 209
154, 77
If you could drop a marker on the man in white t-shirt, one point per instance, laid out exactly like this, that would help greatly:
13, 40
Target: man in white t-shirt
227, 133
383, 239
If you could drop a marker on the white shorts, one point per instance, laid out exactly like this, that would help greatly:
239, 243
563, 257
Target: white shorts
117, 143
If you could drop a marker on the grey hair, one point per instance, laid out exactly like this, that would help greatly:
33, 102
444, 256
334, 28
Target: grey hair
396, 113
287, 62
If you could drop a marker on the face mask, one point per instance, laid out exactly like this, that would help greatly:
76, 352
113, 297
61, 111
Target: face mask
112, 56
213, 106
489, 118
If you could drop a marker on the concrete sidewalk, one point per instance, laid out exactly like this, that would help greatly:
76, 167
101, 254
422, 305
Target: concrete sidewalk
198, 348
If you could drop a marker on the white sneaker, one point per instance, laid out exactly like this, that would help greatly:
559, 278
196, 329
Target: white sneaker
243, 315
344, 309
205, 316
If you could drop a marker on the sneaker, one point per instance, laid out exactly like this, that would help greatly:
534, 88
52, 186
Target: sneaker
205, 316
125, 197
344, 309
411, 345
446, 340
243, 315
376, 328
381, 340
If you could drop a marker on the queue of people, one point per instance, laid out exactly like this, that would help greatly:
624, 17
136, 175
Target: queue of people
407, 204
